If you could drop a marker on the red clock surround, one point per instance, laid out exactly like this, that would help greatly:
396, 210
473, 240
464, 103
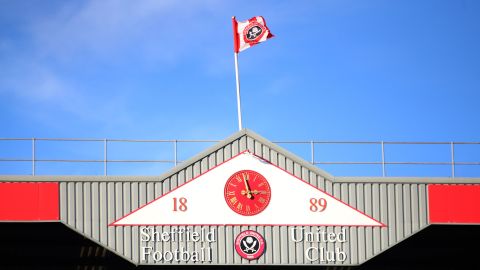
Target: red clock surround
247, 192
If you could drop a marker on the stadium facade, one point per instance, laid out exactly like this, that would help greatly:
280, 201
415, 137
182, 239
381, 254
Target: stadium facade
244, 201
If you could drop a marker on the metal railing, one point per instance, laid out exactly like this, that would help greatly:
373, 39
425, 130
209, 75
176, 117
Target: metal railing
175, 145
383, 161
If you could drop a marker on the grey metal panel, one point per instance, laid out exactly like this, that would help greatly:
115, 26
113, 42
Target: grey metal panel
344, 197
422, 205
352, 201
361, 230
135, 253
251, 144
96, 211
337, 194
384, 216
258, 148
89, 206
87, 209
111, 213
399, 211
376, 209
63, 204
392, 235
407, 213
368, 210
329, 190
71, 203
118, 214
241, 146
127, 231
197, 170
415, 219
79, 206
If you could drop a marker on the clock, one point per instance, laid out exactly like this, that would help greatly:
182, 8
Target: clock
247, 192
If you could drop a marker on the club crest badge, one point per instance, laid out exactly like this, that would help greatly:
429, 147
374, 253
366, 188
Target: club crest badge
250, 245
253, 32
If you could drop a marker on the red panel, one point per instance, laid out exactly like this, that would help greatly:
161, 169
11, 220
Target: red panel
29, 201
457, 204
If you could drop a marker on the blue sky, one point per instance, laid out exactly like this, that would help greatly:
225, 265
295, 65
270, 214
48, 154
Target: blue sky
336, 70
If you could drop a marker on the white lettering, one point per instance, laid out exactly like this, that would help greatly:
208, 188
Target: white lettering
341, 255
332, 236
308, 254
211, 236
169, 254
318, 235
294, 233
145, 252
322, 255
341, 236
145, 237
195, 236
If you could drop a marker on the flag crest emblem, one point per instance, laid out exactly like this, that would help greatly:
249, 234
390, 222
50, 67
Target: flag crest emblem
250, 33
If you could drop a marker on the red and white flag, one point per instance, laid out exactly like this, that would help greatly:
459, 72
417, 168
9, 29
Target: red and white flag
249, 33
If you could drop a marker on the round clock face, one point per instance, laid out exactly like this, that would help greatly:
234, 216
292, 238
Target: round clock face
247, 192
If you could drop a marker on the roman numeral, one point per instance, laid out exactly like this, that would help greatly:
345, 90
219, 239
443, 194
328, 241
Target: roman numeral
239, 180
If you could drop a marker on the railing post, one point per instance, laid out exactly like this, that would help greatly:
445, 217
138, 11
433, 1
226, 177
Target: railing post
175, 152
105, 157
33, 156
383, 159
452, 150
312, 149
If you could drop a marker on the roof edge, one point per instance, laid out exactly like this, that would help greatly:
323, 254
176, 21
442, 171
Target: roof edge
83, 178
237, 135
202, 154
407, 180
290, 155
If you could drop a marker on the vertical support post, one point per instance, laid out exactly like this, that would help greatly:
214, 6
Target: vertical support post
452, 150
175, 152
33, 156
312, 149
236, 45
105, 157
383, 159
239, 104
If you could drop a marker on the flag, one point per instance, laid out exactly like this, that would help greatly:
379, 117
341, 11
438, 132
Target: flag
249, 33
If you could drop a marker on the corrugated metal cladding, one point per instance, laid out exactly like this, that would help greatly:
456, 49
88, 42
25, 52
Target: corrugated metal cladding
90, 206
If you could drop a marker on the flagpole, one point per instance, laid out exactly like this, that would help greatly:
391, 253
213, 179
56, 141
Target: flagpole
235, 52
239, 104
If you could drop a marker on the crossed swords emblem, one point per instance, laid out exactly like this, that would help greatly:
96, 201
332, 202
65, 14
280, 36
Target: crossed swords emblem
254, 32
251, 247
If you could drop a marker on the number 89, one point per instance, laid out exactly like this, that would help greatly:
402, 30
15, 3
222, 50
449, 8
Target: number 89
318, 205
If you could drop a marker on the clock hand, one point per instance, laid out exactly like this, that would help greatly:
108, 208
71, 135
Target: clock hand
254, 192
258, 192
248, 192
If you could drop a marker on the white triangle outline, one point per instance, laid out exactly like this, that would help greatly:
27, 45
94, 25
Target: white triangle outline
378, 223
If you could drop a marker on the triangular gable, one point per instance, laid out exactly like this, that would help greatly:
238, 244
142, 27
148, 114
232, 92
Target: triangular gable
203, 201
238, 137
